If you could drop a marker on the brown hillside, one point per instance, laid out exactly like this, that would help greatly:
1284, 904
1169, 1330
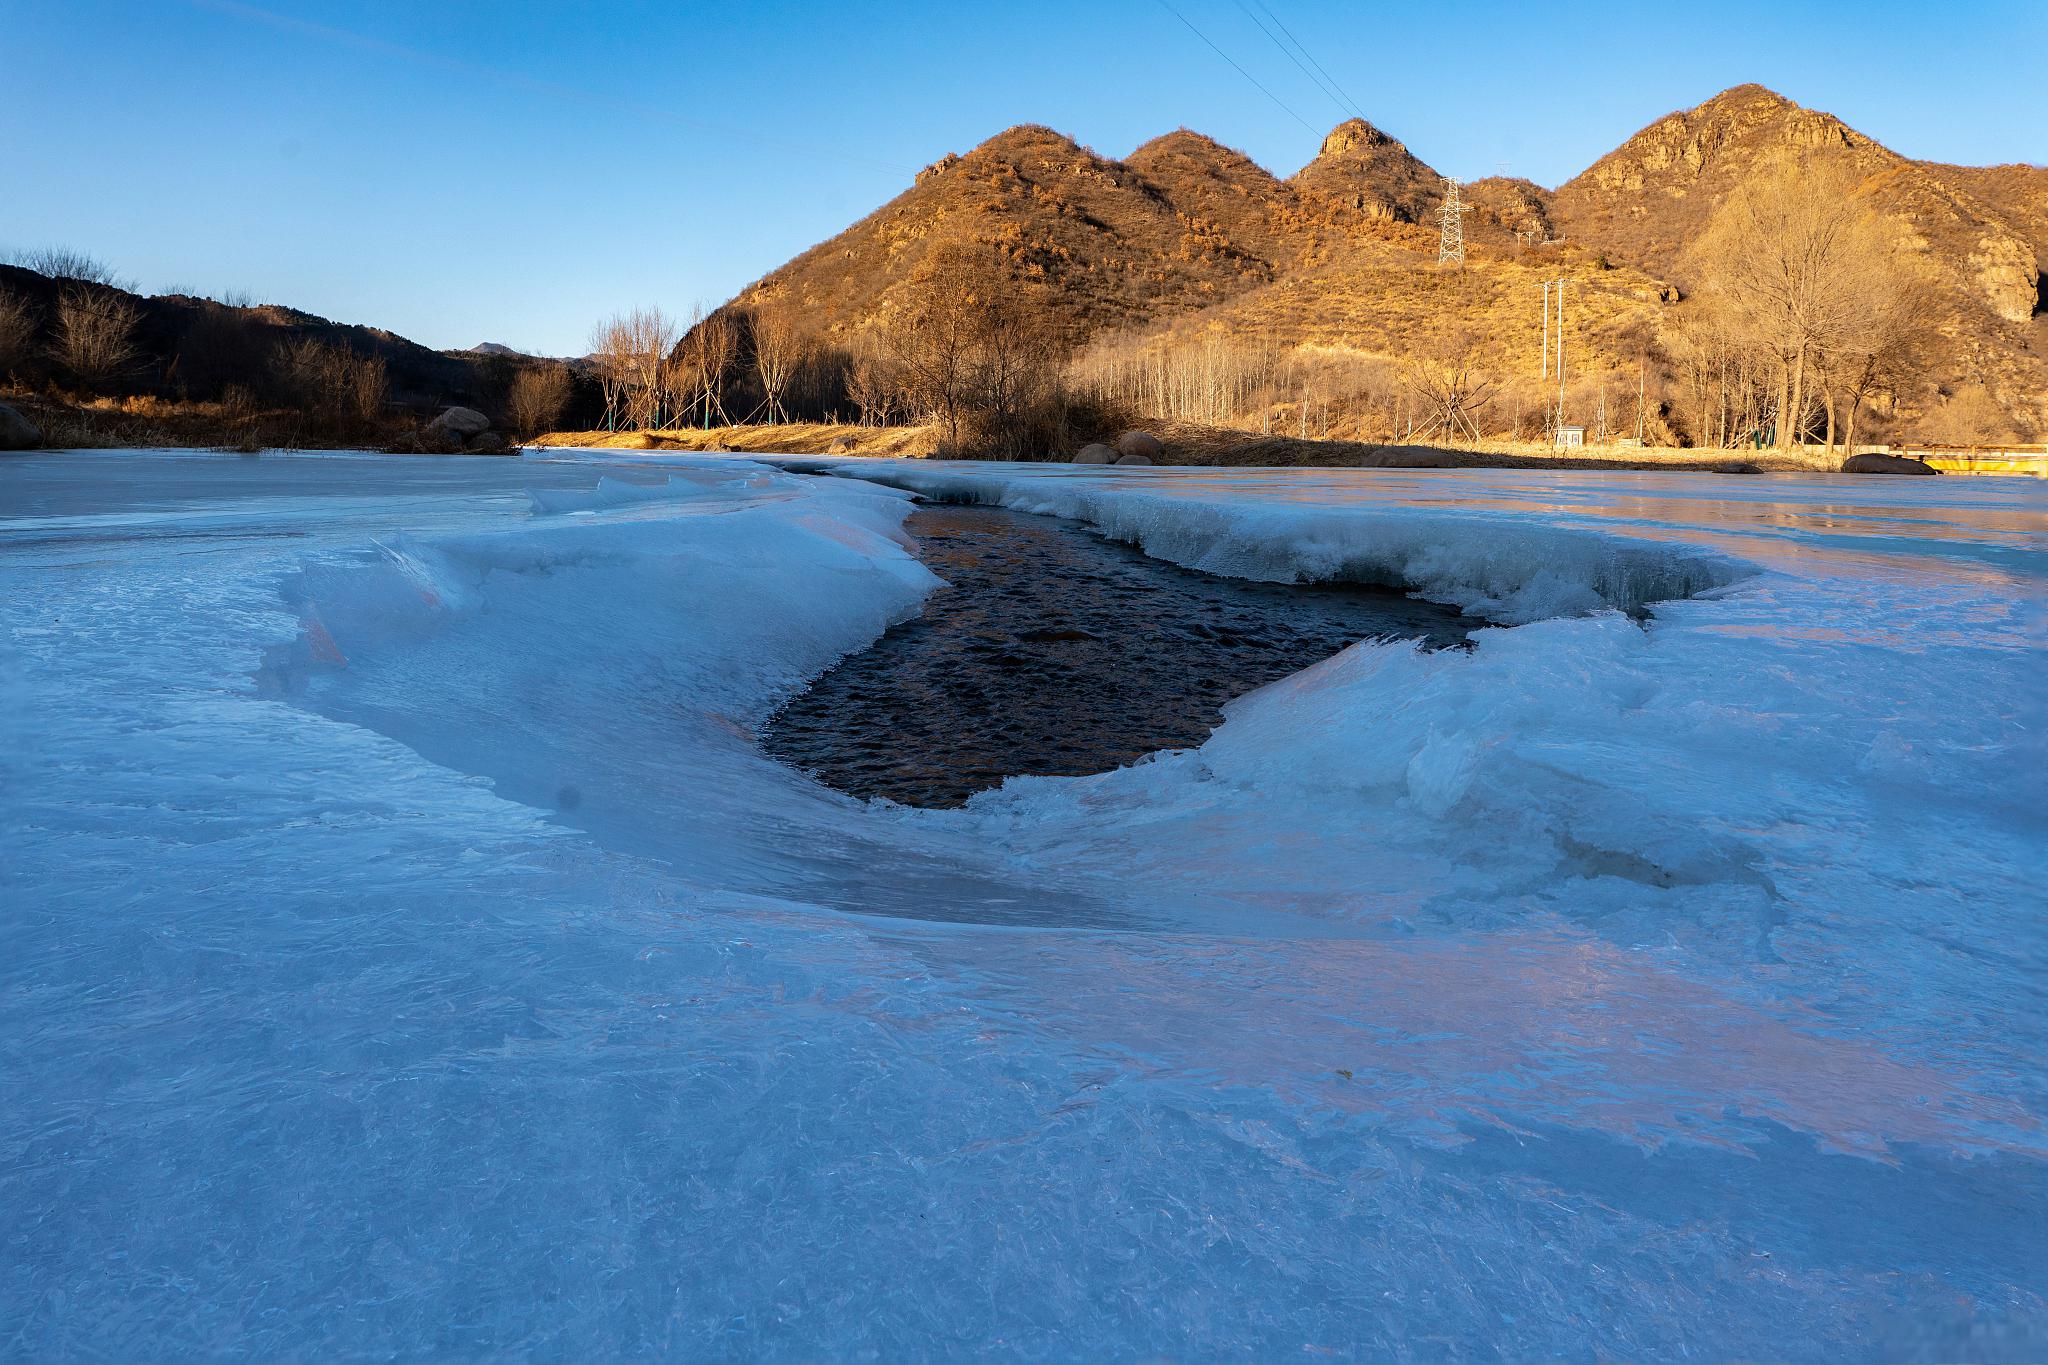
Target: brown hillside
1222, 195
2018, 192
1109, 246
1652, 198
1187, 238
1361, 168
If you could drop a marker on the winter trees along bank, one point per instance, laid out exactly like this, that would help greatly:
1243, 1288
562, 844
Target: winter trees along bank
654, 372
632, 354
1800, 274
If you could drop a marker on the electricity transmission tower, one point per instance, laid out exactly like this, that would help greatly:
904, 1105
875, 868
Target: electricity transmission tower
1451, 245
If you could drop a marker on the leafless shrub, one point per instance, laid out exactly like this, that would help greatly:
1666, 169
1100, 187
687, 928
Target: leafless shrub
539, 393
62, 263
1451, 389
95, 338
874, 380
1971, 416
332, 385
980, 357
222, 347
17, 331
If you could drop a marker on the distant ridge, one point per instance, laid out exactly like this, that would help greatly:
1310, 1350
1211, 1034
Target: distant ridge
1188, 232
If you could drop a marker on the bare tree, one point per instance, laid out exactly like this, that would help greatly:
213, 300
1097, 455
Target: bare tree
611, 356
539, 393
332, 385
779, 348
62, 263
95, 333
873, 379
650, 338
1802, 265
707, 353
1878, 357
17, 331
939, 335
1017, 356
1450, 387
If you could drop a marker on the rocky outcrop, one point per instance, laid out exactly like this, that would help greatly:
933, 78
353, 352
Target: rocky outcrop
17, 432
1361, 168
2007, 276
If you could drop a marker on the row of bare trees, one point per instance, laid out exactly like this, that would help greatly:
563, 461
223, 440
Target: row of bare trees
332, 386
1806, 316
1803, 323
653, 372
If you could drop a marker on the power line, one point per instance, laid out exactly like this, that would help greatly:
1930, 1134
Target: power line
1347, 100
504, 76
1335, 98
1240, 70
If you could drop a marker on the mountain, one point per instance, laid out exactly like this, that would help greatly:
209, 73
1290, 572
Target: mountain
1108, 245
1186, 236
1651, 198
199, 348
1362, 169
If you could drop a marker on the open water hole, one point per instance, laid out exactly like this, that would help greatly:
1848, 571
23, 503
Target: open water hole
1056, 652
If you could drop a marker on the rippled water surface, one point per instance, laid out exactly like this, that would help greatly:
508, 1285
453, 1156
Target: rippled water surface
1053, 651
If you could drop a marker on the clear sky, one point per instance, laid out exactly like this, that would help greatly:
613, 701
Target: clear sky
469, 170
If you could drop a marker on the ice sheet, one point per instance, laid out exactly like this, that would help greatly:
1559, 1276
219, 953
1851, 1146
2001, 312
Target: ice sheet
407, 950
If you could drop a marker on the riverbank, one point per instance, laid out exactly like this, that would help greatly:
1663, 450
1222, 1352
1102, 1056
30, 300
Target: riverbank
1186, 444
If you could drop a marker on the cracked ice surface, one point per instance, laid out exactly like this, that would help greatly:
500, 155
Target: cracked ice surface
405, 948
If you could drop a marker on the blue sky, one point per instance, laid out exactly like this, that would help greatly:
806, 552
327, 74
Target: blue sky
465, 171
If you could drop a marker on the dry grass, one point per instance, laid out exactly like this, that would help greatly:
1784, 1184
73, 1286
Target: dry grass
1195, 445
81, 423
1190, 444
788, 438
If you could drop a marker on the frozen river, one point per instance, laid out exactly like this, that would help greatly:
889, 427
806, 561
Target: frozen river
1054, 651
407, 946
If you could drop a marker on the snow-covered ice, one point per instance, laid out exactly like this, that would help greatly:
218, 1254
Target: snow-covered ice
406, 948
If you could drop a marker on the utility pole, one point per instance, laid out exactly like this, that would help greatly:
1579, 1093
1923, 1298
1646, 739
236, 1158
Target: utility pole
1642, 379
1554, 289
1450, 248
1560, 356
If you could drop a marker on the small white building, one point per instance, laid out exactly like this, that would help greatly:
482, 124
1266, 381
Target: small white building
1571, 438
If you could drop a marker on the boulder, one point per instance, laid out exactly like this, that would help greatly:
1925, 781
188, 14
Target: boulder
486, 443
1886, 464
1132, 459
1140, 443
17, 432
434, 439
464, 422
1095, 454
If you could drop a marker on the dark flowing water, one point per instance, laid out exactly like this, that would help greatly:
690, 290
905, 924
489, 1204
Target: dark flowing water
1056, 652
